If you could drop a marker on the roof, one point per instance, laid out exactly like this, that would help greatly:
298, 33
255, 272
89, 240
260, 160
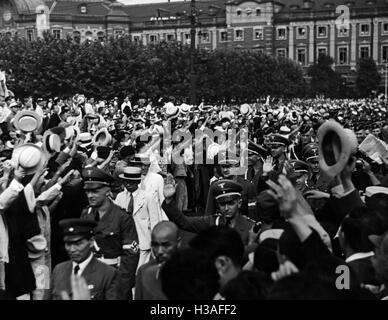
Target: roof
143, 12
96, 8
26, 6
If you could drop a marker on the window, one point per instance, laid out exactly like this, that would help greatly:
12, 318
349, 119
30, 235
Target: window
301, 33
170, 37
238, 35
223, 36
281, 53
258, 34
384, 54
281, 33
153, 38
384, 27
101, 36
205, 37
239, 12
258, 12
343, 31
186, 38
89, 35
322, 31
364, 52
77, 36
343, 55
30, 35
301, 56
83, 9
322, 51
57, 34
364, 29
136, 39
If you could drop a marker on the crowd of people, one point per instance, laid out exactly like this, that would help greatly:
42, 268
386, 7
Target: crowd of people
94, 204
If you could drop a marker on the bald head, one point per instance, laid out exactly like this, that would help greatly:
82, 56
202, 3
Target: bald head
165, 240
165, 227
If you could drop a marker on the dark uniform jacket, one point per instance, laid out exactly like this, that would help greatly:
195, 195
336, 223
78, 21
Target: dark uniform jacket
148, 283
248, 196
197, 224
22, 225
116, 236
101, 280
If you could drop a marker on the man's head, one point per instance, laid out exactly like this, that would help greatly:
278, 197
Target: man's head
78, 238
311, 156
277, 145
97, 185
226, 167
131, 178
228, 196
165, 240
360, 134
224, 247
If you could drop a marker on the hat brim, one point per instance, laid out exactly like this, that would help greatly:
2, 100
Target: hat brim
16, 155
93, 185
228, 197
101, 142
27, 113
123, 177
74, 237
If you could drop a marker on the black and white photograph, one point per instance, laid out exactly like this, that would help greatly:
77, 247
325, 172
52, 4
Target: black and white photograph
202, 152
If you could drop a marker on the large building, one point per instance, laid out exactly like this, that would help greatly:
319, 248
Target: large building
347, 30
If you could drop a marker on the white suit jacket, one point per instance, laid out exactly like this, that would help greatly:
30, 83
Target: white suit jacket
145, 214
153, 183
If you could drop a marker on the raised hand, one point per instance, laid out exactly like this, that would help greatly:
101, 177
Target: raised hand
285, 194
316, 194
268, 165
285, 269
169, 191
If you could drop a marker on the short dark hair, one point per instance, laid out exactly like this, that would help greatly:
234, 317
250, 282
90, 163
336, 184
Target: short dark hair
248, 285
220, 240
189, 275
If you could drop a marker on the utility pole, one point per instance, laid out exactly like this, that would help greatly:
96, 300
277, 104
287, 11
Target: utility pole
386, 80
193, 76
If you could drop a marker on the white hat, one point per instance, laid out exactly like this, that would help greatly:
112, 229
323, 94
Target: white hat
27, 121
171, 110
102, 137
270, 234
370, 191
245, 109
51, 142
85, 139
29, 156
184, 108
72, 131
36, 246
131, 173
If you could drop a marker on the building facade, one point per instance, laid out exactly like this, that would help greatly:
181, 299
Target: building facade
347, 30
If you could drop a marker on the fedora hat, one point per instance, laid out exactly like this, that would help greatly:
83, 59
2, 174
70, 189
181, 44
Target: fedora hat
27, 121
36, 246
336, 146
184, 108
102, 138
29, 156
171, 109
72, 131
131, 173
85, 139
51, 143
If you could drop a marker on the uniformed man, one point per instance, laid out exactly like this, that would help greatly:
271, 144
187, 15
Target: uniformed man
115, 234
100, 278
228, 196
248, 191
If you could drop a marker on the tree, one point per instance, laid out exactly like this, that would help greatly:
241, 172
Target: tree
324, 80
368, 78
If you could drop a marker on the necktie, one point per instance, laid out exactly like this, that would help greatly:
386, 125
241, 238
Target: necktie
130, 204
76, 269
97, 216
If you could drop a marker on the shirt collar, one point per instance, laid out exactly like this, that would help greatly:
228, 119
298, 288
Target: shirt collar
83, 264
359, 255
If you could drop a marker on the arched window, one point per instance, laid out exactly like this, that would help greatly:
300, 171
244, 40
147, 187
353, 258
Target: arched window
101, 36
239, 12
77, 36
258, 12
89, 35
